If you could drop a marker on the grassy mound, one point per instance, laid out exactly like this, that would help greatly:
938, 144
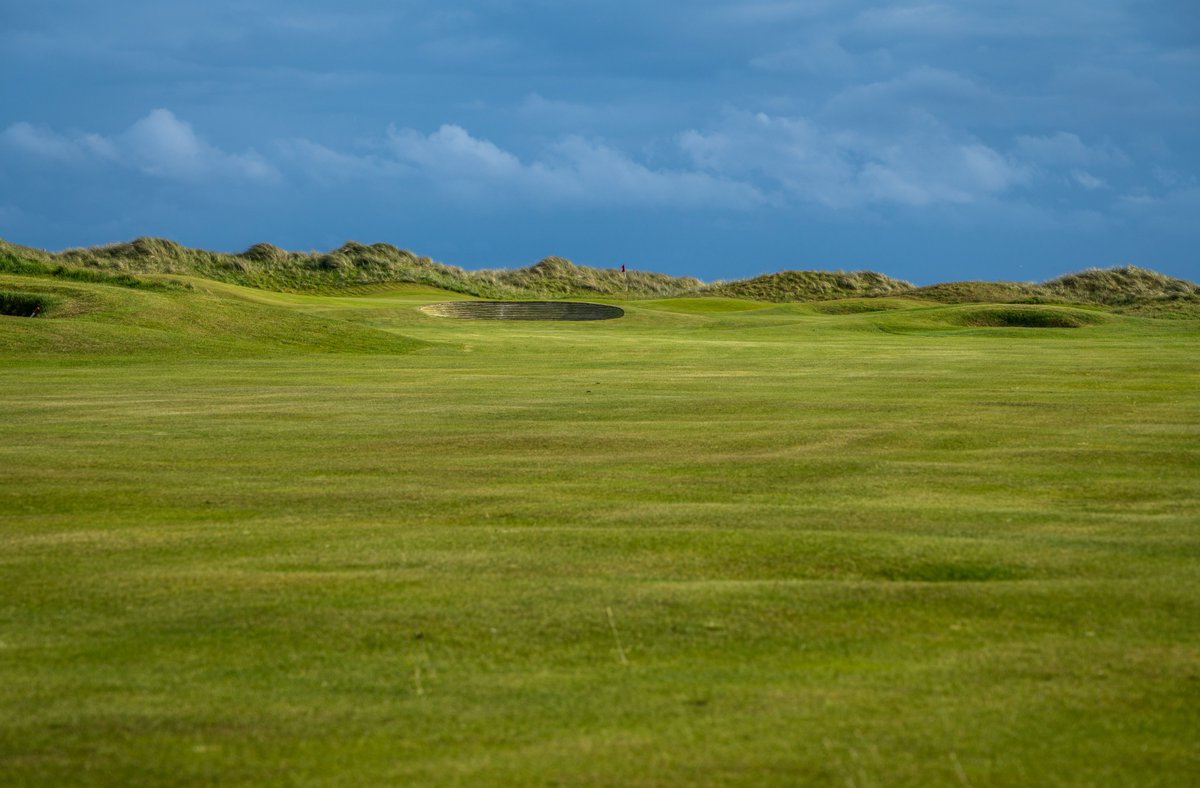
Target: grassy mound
557, 276
1117, 286
811, 286
354, 264
976, 292
102, 319
1130, 290
1026, 317
14, 264
268, 267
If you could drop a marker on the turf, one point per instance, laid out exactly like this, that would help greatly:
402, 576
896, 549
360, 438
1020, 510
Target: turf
254, 538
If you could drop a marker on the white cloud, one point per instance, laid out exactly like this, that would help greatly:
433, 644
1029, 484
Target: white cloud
49, 144
819, 55
1087, 180
1066, 149
880, 103
572, 170
326, 165
451, 151
162, 145
159, 145
840, 168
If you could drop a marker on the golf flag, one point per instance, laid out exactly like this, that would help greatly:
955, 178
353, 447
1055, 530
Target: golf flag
622, 268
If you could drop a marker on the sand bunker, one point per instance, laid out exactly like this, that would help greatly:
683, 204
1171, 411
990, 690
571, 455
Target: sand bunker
523, 310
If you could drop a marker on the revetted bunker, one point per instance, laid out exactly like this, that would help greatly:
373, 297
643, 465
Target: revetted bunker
523, 310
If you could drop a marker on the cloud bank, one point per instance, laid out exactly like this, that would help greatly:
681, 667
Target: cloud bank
159, 145
740, 161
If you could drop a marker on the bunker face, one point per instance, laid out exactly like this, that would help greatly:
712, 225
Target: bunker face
523, 310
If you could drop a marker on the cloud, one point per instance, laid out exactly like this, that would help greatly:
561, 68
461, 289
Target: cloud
1023, 18
159, 145
1065, 149
49, 144
838, 168
881, 102
452, 152
571, 171
819, 55
164, 146
1087, 180
328, 166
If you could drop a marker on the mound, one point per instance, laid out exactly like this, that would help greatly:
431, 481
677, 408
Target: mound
265, 253
1118, 286
812, 286
1026, 317
976, 292
558, 276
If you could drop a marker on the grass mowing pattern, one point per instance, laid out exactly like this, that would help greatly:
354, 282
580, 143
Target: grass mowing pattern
695, 545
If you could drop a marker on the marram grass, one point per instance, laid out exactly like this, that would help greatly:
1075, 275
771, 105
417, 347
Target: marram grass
257, 539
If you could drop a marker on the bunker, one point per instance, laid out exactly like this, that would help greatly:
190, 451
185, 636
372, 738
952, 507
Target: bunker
523, 310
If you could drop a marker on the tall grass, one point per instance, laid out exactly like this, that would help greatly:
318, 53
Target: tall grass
21, 304
553, 276
1126, 289
812, 286
12, 264
268, 267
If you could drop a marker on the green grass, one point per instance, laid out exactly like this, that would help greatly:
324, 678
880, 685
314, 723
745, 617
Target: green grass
251, 537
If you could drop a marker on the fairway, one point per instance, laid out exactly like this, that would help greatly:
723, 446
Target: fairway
257, 538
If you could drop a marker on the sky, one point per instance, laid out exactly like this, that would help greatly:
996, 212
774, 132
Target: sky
978, 139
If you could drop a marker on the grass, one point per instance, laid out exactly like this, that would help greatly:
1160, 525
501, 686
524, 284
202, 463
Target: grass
811, 286
355, 266
252, 537
23, 304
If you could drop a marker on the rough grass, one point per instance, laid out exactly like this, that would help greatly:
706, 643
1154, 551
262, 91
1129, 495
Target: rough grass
975, 292
738, 546
17, 304
354, 264
1119, 286
811, 286
1129, 290
557, 276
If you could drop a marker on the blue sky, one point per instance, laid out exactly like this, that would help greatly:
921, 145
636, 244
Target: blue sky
931, 141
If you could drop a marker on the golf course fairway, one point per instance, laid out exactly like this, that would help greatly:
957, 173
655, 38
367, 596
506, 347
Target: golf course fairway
256, 538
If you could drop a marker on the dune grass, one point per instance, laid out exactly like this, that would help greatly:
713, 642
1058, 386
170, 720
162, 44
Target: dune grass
253, 538
357, 267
